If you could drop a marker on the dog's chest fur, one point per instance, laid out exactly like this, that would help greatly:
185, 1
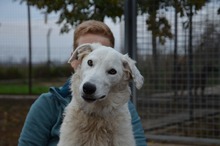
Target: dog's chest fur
89, 130
92, 130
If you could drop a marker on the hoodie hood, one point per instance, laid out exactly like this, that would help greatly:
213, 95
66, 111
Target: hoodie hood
63, 94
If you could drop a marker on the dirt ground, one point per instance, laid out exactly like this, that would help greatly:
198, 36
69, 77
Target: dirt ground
12, 116
11, 121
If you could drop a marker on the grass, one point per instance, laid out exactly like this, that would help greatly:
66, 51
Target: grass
21, 87
12, 116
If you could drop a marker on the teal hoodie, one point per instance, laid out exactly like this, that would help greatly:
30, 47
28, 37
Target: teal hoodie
42, 124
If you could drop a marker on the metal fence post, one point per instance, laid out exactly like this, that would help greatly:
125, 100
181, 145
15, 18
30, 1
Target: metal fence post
131, 35
190, 67
30, 50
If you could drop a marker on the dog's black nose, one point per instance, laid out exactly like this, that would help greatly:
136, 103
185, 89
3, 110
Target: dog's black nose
89, 88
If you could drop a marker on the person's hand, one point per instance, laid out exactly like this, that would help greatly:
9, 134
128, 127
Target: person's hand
75, 64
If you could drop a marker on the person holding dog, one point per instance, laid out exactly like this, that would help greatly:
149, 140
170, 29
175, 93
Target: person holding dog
42, 124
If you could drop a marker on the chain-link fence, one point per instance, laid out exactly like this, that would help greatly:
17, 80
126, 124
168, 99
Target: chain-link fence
178, 53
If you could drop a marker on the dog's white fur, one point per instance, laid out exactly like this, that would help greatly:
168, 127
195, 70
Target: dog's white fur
105, 119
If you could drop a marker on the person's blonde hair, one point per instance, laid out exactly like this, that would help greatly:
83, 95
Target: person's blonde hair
93, 27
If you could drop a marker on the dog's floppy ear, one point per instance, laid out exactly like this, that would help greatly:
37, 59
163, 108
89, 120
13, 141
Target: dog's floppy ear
132, 72
80, 52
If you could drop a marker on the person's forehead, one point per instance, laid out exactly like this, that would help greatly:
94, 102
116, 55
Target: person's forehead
93, 38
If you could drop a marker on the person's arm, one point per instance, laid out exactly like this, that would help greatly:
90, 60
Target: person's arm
137, 126
38, 123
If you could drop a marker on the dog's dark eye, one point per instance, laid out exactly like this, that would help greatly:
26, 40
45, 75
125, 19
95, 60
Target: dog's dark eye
112, 71
90, 62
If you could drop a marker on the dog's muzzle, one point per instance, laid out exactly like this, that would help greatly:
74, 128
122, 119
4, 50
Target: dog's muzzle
88, 92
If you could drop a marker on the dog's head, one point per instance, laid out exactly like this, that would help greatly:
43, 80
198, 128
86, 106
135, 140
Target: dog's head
104, 72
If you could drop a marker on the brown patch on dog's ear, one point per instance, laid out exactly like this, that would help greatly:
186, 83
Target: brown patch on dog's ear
131, 71
80, 52
83, 50
127, 71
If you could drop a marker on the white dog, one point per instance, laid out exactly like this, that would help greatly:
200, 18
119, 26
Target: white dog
98, 113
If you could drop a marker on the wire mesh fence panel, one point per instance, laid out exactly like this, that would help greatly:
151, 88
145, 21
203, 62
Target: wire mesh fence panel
178, 54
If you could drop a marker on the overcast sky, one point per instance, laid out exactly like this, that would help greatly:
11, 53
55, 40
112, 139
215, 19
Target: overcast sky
14, 34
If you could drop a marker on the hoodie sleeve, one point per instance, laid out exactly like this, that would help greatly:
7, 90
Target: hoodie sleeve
137, 126
38, 123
